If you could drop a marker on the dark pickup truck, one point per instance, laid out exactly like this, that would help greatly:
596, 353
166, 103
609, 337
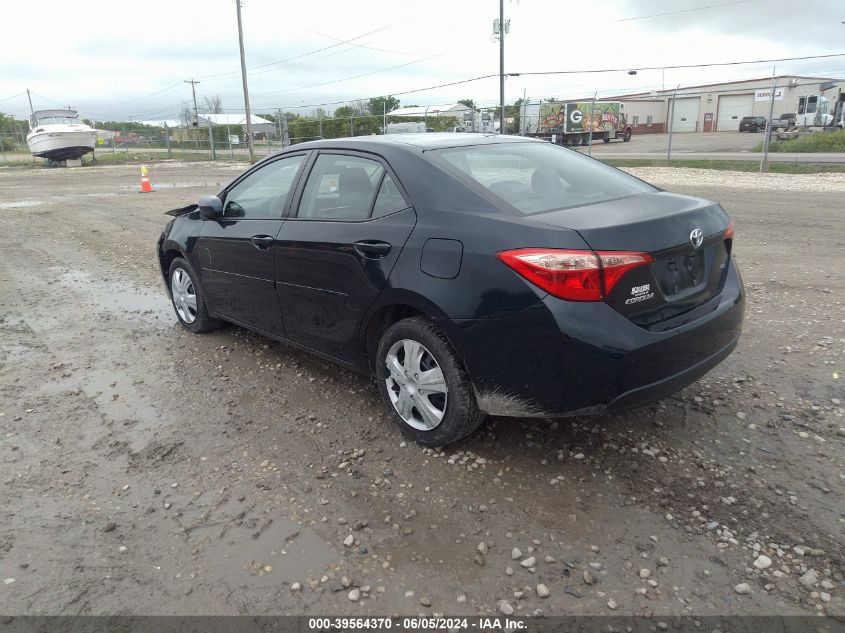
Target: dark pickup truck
786, 120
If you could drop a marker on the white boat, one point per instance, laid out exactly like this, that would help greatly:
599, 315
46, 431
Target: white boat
59, 135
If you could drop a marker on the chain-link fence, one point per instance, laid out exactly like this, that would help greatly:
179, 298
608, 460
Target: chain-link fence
777, 119
207, 141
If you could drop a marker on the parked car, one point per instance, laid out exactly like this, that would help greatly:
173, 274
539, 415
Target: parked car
786, 120
468, 274
752, 124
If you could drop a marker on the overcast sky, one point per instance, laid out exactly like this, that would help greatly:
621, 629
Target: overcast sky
108, 58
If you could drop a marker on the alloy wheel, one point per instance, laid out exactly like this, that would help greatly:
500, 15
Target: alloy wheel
416, 385
184, 295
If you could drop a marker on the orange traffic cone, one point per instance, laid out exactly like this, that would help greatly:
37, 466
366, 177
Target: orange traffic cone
146, 187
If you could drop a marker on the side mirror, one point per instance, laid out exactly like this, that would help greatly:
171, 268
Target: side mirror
210, 207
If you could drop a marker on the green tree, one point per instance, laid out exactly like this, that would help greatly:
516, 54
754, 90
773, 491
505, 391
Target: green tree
470, 103
514, 111
345, 111
380, 105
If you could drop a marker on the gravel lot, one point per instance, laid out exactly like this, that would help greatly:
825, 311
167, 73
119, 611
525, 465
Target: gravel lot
146, 470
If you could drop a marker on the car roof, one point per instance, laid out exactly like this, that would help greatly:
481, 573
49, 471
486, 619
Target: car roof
419, 141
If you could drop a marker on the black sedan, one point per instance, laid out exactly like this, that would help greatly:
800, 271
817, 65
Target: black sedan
468, 274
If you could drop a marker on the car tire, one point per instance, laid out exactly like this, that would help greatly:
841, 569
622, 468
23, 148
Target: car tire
627, 136
434, 413
188, 299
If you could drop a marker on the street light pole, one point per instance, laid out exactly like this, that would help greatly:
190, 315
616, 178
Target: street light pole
246, 89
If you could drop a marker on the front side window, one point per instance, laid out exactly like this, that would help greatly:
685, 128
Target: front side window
811, 105
535, 177
264, 193
340, 187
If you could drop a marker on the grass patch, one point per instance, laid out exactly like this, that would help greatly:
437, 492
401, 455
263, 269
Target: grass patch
816, 142
109, 158
785, 167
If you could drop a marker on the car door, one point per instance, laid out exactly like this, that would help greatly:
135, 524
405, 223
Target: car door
335, 253
235, 251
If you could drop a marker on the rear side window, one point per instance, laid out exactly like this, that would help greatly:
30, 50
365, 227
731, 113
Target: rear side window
340, 188
535, 177
389, 199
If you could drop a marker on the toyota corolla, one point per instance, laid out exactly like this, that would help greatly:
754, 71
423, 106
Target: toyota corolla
470, 275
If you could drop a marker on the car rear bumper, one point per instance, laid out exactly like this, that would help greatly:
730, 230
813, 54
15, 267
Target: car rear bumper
562, 358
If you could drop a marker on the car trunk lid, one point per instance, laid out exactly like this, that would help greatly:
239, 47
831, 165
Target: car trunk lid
684, 235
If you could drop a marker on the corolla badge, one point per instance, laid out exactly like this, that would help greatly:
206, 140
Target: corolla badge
696, 237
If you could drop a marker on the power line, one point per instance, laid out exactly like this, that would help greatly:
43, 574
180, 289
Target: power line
289, 66
393, 94
20, 94
658, 15
674, 67
489, 76
288, 59
335, 81
372, 48
145, 97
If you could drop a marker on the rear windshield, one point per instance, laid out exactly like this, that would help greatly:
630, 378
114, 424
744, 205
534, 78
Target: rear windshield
535, 177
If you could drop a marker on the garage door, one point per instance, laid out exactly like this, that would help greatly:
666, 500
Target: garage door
685, 114
731, 110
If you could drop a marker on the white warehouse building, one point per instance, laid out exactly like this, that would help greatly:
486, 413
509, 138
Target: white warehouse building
720, 107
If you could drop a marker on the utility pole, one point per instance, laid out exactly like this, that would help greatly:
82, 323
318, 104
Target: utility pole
246, 89
194, 91
768, 138
502, 30
279, 122
211, 140
671, 124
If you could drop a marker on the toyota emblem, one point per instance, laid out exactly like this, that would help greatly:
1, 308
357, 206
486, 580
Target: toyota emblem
696, 237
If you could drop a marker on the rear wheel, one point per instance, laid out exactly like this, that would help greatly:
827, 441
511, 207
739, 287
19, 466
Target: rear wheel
627, 136
423, 385
188, 300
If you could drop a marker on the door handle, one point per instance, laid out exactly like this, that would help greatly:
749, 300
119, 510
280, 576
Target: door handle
262, 242
372, 249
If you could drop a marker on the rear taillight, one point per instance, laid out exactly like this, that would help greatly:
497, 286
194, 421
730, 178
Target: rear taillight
573, 275
729, 232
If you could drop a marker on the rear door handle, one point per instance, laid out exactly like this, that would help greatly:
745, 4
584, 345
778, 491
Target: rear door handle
262, 242
372, 249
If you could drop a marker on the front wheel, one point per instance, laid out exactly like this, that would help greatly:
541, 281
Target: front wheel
423, 385
188, 299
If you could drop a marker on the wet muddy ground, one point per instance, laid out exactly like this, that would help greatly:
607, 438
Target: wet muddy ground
146, 470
